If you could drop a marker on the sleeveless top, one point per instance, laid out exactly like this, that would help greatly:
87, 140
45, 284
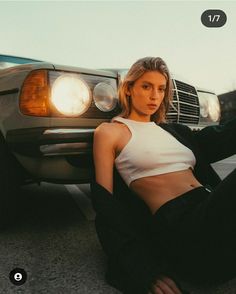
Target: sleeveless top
151, 151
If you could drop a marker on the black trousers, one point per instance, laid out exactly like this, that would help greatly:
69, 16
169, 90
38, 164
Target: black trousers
197, 233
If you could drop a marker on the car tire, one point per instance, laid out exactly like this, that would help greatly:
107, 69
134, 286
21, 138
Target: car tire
9, 185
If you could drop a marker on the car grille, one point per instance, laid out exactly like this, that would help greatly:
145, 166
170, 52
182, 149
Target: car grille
185, 108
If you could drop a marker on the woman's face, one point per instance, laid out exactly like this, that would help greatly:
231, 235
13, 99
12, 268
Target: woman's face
147, 94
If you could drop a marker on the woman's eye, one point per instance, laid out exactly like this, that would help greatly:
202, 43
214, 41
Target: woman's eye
145, 87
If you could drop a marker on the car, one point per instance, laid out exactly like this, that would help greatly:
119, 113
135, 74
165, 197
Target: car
48, 114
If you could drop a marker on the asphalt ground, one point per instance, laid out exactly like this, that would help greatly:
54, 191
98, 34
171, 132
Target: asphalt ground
53, 240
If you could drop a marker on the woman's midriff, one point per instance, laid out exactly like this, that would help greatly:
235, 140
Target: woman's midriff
157, 190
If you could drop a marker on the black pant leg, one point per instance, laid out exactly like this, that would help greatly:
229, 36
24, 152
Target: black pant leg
221, 206
199, 233
218, 216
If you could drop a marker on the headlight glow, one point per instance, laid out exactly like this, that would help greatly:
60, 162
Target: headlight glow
209, 107
105, 97
70, 95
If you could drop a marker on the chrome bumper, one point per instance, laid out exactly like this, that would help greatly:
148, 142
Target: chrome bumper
66, 148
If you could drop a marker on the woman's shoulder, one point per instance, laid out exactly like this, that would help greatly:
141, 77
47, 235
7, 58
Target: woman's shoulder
109, 129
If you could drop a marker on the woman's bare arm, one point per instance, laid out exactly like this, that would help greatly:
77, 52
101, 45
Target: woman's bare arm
104, 155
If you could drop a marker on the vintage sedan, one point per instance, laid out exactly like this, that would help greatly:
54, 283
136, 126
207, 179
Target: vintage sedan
48, 114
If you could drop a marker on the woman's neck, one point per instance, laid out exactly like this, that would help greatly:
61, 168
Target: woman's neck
139, 118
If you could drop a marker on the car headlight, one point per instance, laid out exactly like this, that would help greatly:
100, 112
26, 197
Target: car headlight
209, 107
105, 97
49, 93
70, 95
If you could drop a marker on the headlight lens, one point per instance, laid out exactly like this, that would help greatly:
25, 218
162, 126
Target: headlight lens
70, 95
209, 107
105, 97
34, 94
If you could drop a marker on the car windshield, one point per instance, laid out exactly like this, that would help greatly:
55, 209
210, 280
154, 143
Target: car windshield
7, 61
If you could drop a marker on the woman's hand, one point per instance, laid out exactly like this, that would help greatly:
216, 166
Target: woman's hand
164, 285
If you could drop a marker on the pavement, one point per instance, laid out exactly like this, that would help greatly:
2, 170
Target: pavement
55, 242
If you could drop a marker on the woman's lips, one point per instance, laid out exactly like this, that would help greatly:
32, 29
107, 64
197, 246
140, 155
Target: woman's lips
152, 105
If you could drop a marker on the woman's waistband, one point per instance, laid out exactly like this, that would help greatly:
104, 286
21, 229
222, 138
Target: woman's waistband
175, 207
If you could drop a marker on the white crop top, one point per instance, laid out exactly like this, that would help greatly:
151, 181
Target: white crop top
151, 151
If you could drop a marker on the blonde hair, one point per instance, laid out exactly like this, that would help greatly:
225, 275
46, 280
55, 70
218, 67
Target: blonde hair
140, 67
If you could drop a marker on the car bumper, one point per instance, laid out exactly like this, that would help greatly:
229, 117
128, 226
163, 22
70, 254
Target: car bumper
47, 142
61, 155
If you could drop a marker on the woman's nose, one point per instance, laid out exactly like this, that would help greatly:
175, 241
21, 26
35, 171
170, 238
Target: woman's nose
155, 94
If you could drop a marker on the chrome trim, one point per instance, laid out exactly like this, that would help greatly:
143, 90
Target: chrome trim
196, 128
65, 148
8, 92
68, 131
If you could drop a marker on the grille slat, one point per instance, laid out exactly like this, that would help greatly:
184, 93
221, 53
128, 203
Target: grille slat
185, 87
185, 100
172, 117
188, 109
187, 119
188, 98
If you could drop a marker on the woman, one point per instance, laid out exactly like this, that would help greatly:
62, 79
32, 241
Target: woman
173, 217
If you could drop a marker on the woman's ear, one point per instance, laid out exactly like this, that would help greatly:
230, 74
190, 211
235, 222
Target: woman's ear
128, 92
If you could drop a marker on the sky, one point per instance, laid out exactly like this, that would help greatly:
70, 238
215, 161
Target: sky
107, 34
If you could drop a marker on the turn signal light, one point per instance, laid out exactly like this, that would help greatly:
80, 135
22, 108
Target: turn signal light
34, 97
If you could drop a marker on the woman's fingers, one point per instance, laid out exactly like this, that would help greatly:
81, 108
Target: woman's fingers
160, 287
164, 285
157, 290
171, 284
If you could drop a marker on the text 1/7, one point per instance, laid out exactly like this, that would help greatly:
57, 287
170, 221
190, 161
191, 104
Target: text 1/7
214, 18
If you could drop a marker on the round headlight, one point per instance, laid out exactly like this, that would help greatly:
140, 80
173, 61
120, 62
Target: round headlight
209, 106
214, 108
70, 95
105, 97
204, 107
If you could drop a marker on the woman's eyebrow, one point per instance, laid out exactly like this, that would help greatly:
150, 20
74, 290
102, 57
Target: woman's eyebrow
147, 82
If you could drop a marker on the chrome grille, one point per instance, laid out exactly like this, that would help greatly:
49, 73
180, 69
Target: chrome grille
188, 109
186, 105
185, 87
